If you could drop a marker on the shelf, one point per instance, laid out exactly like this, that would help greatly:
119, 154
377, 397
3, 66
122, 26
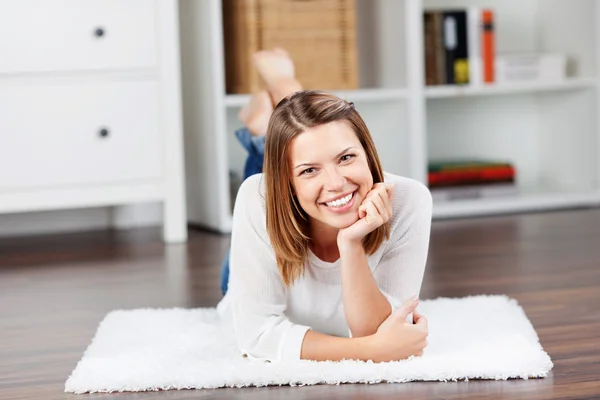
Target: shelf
444, 91
360, 95
451, 91
528, 201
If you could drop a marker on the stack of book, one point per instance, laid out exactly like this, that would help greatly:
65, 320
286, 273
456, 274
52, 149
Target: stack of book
471, 179
459, 46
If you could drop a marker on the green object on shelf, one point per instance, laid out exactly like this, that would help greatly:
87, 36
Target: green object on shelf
465, 164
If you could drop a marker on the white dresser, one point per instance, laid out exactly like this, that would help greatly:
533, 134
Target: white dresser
90, 106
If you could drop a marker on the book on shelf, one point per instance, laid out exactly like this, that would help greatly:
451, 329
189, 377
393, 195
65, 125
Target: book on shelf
462, 164
488, 44
468, 192
435, 72
469, 178
459, 46
461, 172
456, 47
530, 67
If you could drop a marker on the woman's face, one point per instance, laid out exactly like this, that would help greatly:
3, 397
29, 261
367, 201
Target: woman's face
330, 174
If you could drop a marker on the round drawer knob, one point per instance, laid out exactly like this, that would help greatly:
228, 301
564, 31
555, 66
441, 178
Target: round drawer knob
104, 132
99, 32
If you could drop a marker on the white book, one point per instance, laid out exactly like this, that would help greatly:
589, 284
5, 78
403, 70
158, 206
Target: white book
474, 191
530, 67
474, 30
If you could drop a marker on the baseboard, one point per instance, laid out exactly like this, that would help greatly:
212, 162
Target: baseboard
61, 221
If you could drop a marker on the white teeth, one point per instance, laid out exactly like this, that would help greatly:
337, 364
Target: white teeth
340, 202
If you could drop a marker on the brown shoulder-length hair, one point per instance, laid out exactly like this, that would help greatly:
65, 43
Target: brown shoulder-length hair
287, 222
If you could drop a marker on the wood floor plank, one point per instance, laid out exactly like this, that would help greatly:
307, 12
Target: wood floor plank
55, 289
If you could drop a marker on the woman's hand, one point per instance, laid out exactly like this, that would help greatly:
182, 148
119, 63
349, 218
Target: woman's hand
374, 211
397, 339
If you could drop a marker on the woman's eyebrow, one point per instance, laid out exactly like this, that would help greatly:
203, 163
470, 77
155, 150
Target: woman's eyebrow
304, 165
343, 151
312, 164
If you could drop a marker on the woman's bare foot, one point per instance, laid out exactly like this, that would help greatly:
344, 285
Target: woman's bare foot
277, 70
274, 65
256, 114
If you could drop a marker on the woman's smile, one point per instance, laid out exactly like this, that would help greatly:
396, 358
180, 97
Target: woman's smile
341, 204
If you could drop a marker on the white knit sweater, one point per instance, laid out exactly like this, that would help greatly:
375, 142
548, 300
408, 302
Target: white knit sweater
270, 320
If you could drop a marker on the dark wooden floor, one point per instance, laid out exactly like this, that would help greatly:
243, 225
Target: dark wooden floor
55, 289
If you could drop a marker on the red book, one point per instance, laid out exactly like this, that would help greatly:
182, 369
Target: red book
488, 46
454, 177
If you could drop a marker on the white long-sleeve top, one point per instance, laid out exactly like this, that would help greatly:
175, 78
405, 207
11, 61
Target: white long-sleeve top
270, 320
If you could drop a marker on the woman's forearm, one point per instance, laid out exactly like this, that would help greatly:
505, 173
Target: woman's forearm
364, 304
320, 347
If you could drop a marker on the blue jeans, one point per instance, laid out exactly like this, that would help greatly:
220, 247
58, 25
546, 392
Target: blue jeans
255, 145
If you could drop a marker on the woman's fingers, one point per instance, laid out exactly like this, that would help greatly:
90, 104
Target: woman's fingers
380, 199
362, 210
389, 188
386, 192
417, 315
379, 204
407, 308
419, 319
372, 213
386, 199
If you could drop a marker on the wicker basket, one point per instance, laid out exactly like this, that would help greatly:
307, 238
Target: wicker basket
319, 35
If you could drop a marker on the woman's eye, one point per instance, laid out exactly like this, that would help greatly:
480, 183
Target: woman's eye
308, 171
346, 157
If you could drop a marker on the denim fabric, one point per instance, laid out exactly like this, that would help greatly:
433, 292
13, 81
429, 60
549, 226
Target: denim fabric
225, 274
255, 145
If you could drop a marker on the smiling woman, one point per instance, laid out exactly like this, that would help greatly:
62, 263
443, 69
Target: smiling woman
320, 158
328, 251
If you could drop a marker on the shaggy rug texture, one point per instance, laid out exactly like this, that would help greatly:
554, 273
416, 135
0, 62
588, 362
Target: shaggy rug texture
477, 337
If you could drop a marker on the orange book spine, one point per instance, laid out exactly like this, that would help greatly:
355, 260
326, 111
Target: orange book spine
488, 46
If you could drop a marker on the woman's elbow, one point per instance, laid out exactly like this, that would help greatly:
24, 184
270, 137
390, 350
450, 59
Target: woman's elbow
250, 347
362, 330
256, 344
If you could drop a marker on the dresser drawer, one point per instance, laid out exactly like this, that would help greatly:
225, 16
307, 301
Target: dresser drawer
79, 134
71, 35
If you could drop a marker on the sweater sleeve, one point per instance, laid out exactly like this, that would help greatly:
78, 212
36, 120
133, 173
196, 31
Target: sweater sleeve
259, 296
399, 273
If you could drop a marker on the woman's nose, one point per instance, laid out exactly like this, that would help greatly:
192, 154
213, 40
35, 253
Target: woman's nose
335, 181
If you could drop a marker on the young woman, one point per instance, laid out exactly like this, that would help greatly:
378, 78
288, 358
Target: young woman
328, 251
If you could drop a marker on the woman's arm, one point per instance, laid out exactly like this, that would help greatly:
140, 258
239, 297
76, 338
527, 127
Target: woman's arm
399, 273
394, 340
364, 304
369, 298
320, 347
257, 295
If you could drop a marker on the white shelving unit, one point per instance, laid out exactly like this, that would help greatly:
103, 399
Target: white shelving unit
450, 91
360, 95
549, 131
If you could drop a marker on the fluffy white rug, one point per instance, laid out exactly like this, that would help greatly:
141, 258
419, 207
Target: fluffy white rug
485, 337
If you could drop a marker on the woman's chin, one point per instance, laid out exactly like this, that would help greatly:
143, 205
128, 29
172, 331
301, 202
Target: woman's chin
341, 223
336, 221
